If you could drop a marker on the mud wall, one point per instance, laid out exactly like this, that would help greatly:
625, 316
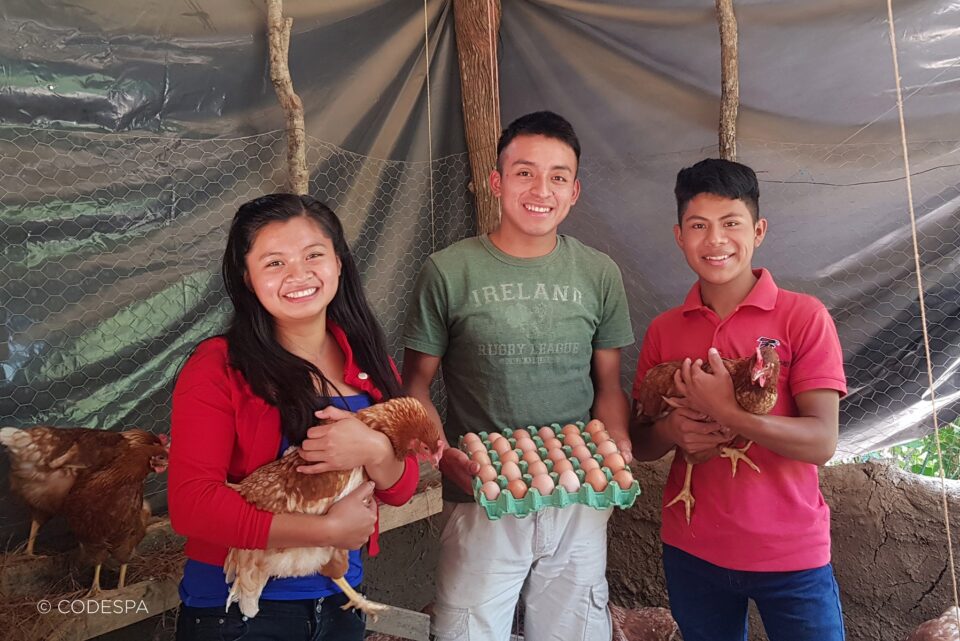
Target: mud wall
889, 548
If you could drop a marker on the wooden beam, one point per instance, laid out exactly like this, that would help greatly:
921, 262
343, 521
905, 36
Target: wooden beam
25, 577
477, 24
403, 624
111, 610
426, 502
278, 36
729, 79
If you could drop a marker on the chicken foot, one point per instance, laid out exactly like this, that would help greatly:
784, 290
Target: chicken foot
95, 588
123, 576
358, 601
34, 528
685, 494
737, 454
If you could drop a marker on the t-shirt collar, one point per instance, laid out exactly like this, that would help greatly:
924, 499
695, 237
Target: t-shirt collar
762, 296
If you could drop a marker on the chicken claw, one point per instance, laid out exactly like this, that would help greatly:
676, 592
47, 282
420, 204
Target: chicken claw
358, 601
685, 494
737, 454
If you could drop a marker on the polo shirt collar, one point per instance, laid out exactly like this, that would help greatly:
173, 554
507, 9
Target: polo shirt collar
762, 296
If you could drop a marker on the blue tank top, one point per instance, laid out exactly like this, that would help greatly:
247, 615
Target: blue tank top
205, 585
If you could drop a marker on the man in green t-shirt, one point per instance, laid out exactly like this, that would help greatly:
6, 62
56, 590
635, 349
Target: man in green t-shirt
528, 326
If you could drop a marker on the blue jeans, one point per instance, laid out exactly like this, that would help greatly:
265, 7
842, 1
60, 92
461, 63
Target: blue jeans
710, 603
303, 620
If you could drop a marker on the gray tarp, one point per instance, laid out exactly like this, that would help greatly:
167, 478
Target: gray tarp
132, 130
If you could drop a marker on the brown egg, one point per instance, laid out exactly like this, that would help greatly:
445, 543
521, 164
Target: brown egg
517, 488
589, 464
556, 455
573, 440
531, 457
552, 443
596, 479
569, 429
470, 439
600, 437
520, 433
510, 456
562, 465
487, 473
569, 481
525, 445
582, 452
623, 478
510, 470
490, 490
537, 468
480, 456
614, 461
546, 432
542, 483
494, 436
501, 445
595, 425
606, 447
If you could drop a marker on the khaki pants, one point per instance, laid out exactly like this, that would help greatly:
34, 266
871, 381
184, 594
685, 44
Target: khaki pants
556, 559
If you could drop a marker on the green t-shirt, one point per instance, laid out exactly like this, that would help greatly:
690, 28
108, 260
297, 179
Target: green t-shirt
516, 335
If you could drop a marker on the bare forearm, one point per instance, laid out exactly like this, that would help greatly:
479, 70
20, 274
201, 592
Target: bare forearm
421, 392
385, 470
298, 530
802, 438
610, 406
650, 441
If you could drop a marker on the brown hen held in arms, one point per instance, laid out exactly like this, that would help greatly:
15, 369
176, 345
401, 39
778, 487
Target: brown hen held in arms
754, 386
279, 488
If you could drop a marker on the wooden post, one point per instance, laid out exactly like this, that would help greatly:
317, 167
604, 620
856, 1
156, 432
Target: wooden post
729, 79
477, 24
278, 31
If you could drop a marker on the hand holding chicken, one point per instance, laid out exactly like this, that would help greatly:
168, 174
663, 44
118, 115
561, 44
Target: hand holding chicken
709, 393
280, 487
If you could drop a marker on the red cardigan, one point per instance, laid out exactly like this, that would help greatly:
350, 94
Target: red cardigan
221, 432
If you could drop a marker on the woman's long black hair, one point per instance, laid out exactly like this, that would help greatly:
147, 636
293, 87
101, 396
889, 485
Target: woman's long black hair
283, 379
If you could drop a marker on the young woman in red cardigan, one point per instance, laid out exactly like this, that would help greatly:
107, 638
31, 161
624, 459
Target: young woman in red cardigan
302, 345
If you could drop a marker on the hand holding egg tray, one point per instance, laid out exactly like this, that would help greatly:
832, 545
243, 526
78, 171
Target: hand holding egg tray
525, 470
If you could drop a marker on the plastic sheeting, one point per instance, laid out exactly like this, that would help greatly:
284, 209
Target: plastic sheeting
131, 131
640, 82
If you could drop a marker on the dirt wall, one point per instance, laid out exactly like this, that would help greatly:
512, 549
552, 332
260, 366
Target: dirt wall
889, 548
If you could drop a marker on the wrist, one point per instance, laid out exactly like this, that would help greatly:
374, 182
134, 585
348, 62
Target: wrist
382, 451
735, 418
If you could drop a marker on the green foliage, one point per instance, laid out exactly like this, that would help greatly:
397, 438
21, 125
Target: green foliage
920, 456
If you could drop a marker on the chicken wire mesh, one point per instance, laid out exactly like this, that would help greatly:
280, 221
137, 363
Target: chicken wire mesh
112, 244
839, 230
111, 250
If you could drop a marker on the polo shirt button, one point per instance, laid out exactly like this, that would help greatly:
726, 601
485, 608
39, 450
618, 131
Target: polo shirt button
363, 376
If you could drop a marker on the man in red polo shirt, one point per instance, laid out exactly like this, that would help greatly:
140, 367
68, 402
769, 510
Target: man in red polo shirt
761, 536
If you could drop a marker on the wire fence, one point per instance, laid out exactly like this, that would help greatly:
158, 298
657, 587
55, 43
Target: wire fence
111, 249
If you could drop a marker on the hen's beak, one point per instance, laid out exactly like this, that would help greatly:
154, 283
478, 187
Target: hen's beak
436, 456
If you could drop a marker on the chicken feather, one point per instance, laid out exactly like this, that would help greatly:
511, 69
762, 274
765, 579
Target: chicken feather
754, 387
279, 488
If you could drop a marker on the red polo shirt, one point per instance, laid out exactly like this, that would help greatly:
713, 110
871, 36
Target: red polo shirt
776, 520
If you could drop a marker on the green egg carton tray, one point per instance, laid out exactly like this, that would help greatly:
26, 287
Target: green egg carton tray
505, 504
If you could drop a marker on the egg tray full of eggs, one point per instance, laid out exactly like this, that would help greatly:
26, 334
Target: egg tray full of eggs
526, 470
